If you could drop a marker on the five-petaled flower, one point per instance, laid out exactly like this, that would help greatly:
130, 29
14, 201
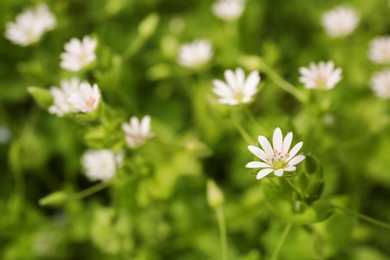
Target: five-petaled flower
78, 54
137, 132
195, 54
101, 164
320, 76
228, 9
237, 89
30, 25
340, 21
379, 51
380, 84
278, 158
86, 98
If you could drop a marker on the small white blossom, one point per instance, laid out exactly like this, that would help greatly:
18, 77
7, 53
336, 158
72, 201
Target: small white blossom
78, 54
340, 21
30, 25
228, 9
379, 51
277, 159
380, 84
86, 98
61, 104
321, 76
100, 164
137, 132
5, 134
195, 54
237, 89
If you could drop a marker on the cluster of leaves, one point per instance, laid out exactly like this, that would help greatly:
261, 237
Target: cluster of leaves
156, 207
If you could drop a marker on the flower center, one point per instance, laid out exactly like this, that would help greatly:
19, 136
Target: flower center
278, 160
321, 82
238, 95
90, 102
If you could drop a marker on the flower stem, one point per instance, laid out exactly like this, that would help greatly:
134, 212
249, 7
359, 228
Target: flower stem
283, 84
98, 187
293, 186
364, 217
222, 232
240, 129
281, 241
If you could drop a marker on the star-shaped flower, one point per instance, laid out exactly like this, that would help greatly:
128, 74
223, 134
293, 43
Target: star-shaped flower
380, 83
340, 21
320, 76
78, 54
195, 54
237, 89
379, 51
101, 164
228, 9
137, 132
278, 158
86, 99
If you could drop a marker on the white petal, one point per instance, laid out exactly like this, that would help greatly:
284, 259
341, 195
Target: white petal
279, 172
287, 143
290, 169
295, 149
258, 152
263, 173
277, 140
266, 145
255, 164
296, 160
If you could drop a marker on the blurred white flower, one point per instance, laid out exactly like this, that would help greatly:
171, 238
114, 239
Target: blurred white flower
86, 98
195, 54
137, 132
61, 104
379, 51
340, 21
380, 84
277, 159
5, 134
237, 89
321, 76
228, 9
100, 164
30, 25
78, 54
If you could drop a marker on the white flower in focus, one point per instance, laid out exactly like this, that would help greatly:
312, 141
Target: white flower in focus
321, 76
86, 98
137, 132
228, 9
100, 164
30, 25
380, 83
78, 53
379, 51
276, 159
237, 89
340, 21
195, 54
61, 104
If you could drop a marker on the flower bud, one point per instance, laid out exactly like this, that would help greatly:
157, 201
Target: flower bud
311, 164
54, 199
41, 96
214, 195
148, 25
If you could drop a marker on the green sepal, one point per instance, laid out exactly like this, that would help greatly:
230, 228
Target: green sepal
311, 164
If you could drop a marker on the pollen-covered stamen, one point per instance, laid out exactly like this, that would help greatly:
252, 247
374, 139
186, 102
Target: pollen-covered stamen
278, 160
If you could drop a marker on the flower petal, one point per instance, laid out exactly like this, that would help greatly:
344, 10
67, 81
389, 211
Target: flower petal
279, 172
296, 160
287, 143
258, 152
295, 149
263, 173
256, 164
277, 140
266, 145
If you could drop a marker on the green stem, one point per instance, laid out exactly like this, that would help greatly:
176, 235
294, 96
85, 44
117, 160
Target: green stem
293, 186
133, 47
251, 117
222, 233
242, 131
281, 241
283, 84
98, 187
364, 217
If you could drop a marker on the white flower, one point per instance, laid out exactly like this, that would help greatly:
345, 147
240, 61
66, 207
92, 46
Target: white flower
340, 21
380, 83
86, 98
78, 53
100, 164
228, 9
321, 76
61, 104
195, 54
379, 51
137, 132
30, 25
237, 90
277, 159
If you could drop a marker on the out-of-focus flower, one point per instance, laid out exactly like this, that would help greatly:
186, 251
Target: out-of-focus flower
137, 132
228, 9
78, 54
277, 159
5, 134
86, 98
100, 164
379, 51
61, 104
380, 83
237, 89
195, 54
30, 25
322, 76
340, 21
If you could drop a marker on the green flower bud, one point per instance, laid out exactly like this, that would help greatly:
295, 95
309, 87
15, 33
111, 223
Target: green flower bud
311, 164
148, 25
315, 191
214, 195
42, 96
54, 199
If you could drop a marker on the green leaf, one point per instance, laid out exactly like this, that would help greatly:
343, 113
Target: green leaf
43, 97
